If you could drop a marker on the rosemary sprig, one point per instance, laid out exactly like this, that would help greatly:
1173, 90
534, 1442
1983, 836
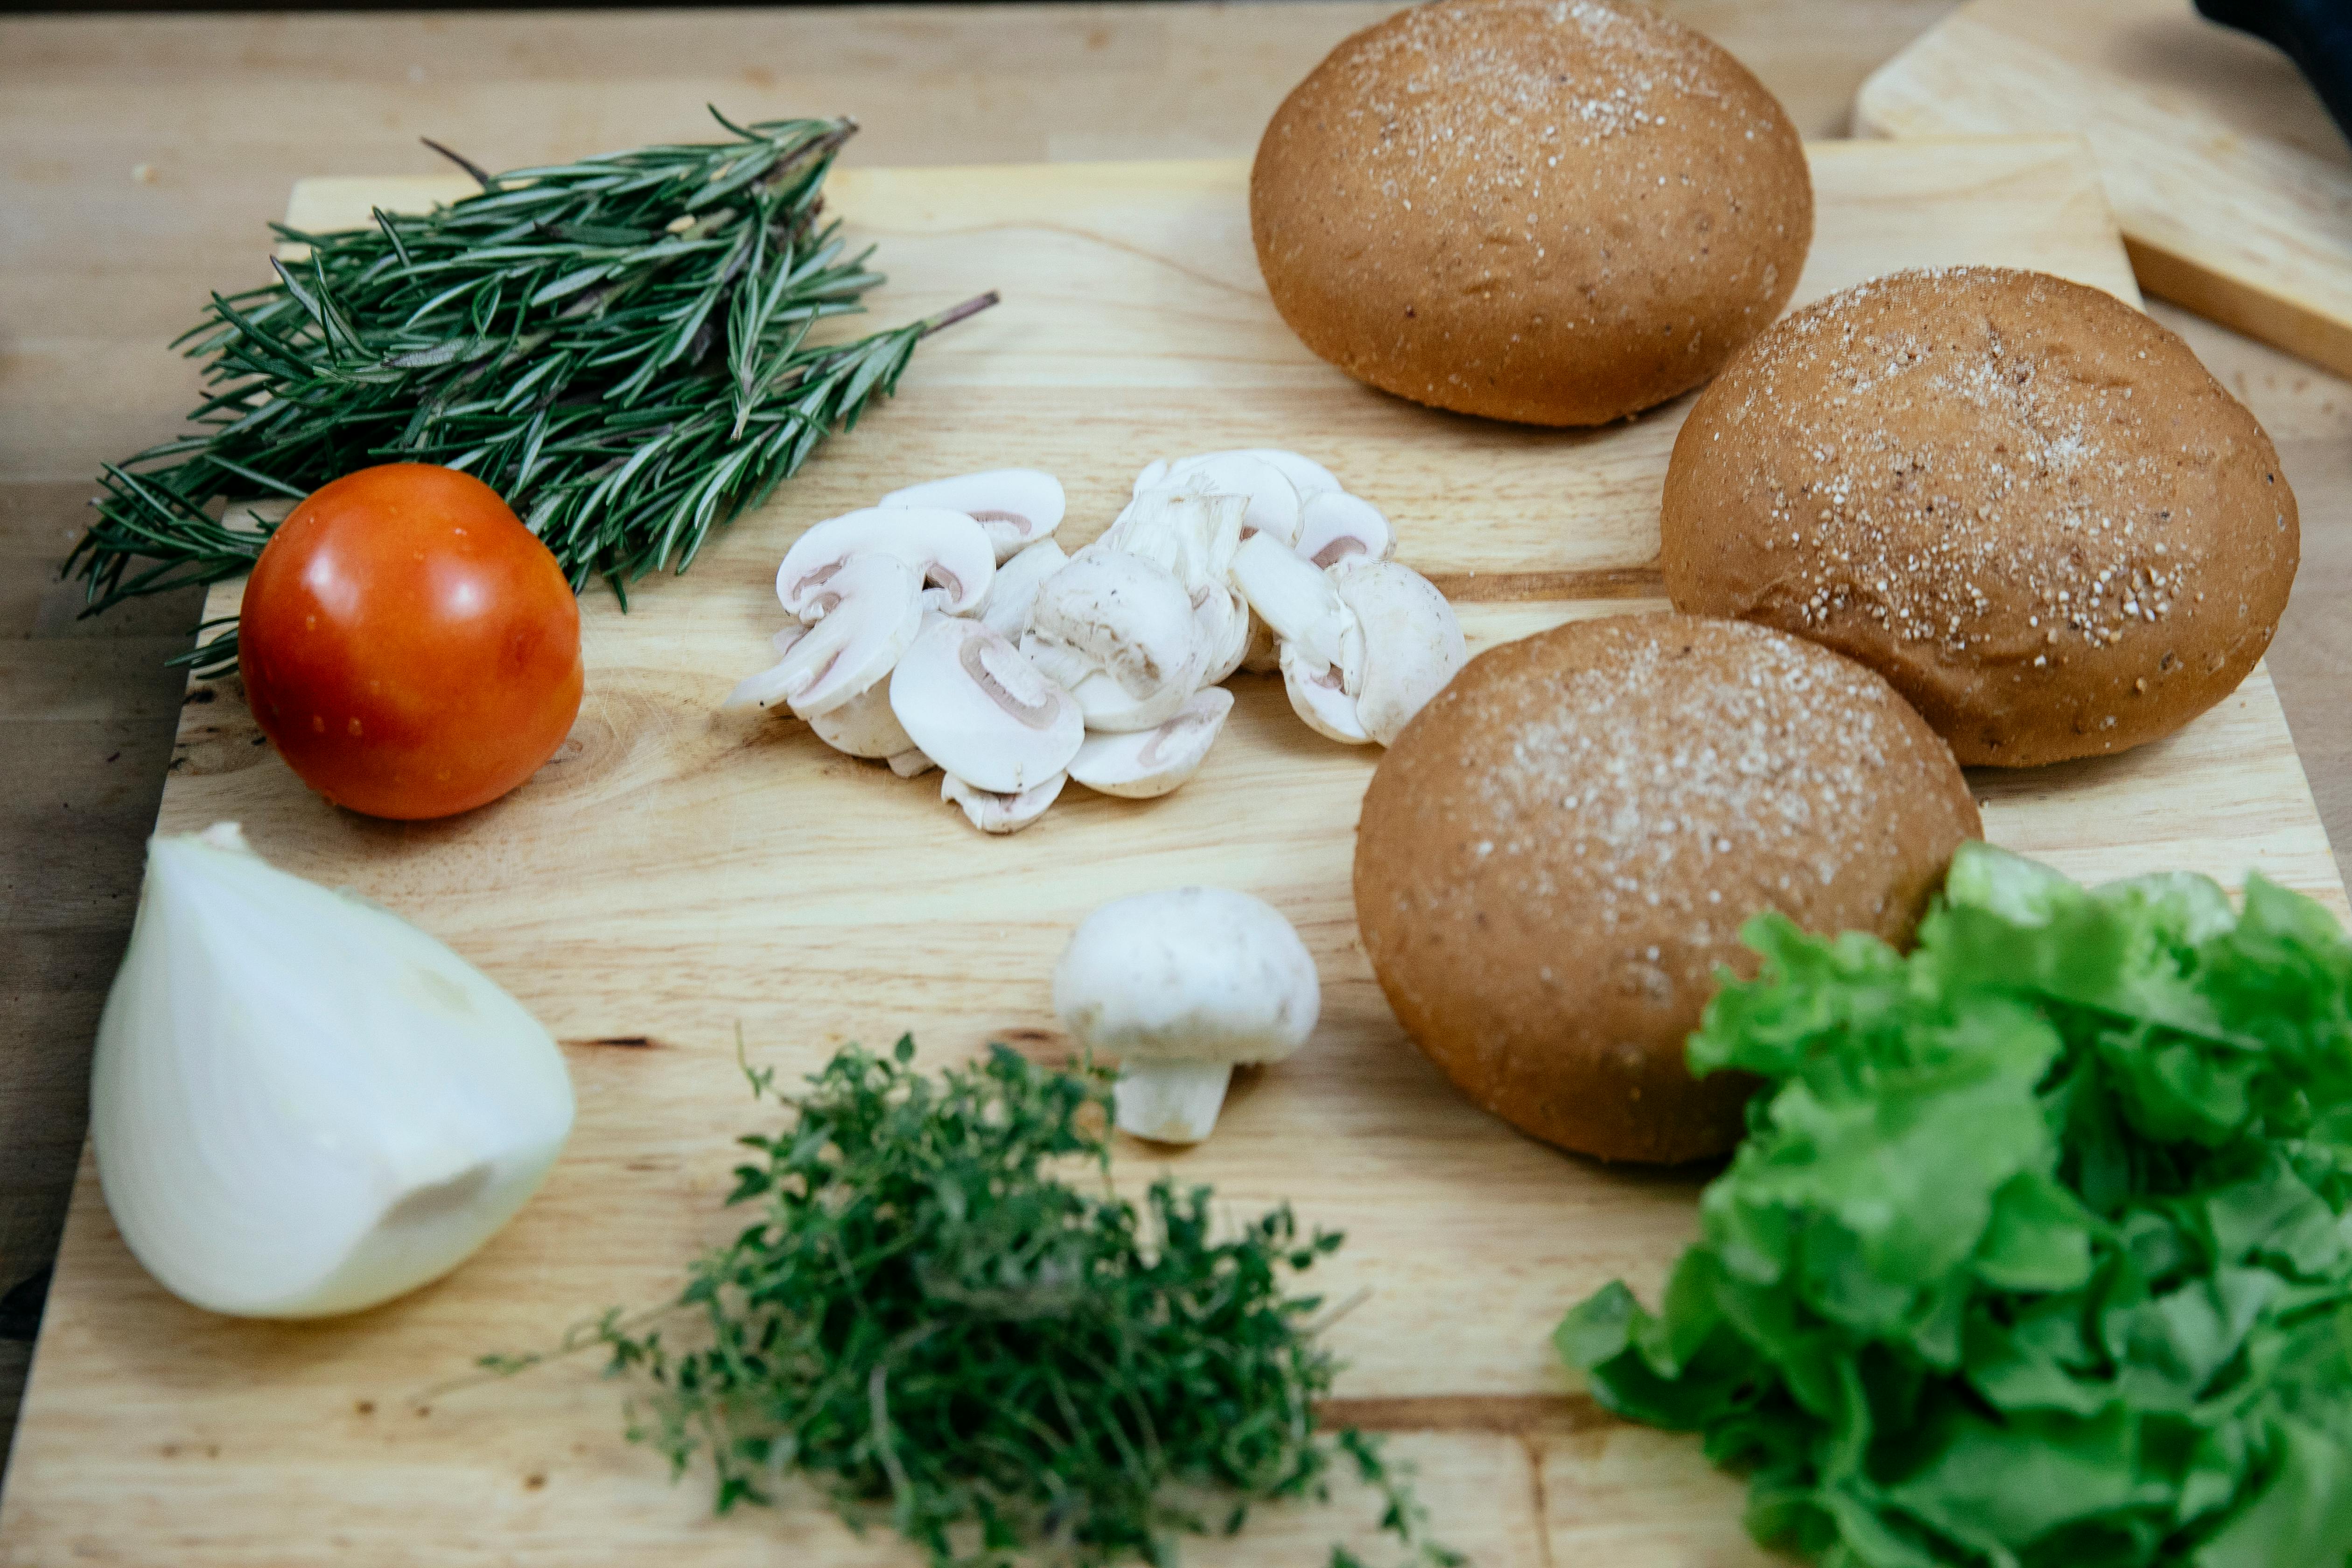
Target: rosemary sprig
932, 1326
618, 346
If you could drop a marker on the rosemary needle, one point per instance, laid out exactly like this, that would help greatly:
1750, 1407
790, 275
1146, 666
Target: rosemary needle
924, 1318
620, 347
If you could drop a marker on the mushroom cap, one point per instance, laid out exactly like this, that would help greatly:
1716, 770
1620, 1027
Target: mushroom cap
1006, 613
874, 613
1336, 526
974, 706
1412, 644
947, 549
1117, 631
1140, 765
1015, 507
1203, 974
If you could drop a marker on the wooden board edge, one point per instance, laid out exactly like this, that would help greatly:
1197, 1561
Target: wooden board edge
2284, 323
2164, 271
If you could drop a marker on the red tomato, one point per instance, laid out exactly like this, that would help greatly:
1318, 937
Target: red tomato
408, 646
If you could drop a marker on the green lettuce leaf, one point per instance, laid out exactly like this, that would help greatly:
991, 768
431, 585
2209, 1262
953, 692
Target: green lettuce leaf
2038, 1251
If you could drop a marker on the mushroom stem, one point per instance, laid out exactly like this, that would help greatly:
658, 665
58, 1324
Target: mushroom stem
1171, 1101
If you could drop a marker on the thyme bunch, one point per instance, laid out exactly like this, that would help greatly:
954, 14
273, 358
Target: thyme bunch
928, 1322
620, 347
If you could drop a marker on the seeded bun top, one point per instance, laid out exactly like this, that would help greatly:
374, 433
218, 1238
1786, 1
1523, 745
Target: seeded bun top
1558, 212
1563, 845
2019, 499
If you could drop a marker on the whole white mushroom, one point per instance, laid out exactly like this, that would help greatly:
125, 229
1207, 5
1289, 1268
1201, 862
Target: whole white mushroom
1183, 986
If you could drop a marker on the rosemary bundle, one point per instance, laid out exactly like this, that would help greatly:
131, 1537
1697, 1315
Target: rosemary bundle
930, 1325
619, 347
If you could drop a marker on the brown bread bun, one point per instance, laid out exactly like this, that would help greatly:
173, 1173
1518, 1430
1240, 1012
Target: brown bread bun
1559, 212
1562, 846
2018, 499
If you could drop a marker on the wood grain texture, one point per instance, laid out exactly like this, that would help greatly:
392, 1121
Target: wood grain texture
675, 874
2233, 186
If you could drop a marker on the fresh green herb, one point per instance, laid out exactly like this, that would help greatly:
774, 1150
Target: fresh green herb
2039, 1248
619, 347
937, 1330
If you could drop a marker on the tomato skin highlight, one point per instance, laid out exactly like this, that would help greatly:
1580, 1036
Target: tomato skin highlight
408, 646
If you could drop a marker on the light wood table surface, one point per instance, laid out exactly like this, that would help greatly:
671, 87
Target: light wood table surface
140, 158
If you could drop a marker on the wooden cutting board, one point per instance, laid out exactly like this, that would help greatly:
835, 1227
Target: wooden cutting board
675, 874
2232, 185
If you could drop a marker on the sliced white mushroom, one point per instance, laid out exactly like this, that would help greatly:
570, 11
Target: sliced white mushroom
1142, 764
1300, 606
1193, 534
1336, 526
1195, 537
946, 548
875, 610
975, 707
1223, 621
1117, 631
863, 726
1307, 477
911, 764
1412, 644
1015, 507
1006, 613
1319, 695
994, 813
1263, 656
1273, 500
766, 690
1179, 987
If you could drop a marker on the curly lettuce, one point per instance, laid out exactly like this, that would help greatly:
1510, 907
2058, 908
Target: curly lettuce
2038, 1253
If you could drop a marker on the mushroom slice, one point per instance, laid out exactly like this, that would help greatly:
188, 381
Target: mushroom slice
1181, 986
1307, 477
863, 726
1015, 507
1142, 764
1412, 644
1319, 695
1015, 588
1263, 654
1193, 534
1223, 621
1336, 526
946, 548
1117, 631
1300, 606
875, 611
1272, 499
911, 764
994, 813
765, 690
973, 705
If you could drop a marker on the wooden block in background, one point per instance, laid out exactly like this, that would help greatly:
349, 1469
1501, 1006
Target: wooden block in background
2232, 185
